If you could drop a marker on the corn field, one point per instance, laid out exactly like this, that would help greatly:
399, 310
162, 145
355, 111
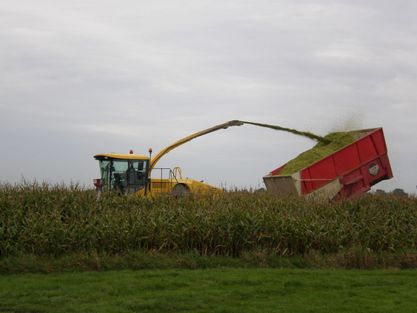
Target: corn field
49, 220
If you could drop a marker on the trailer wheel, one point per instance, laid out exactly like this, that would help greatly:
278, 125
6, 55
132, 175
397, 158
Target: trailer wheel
180, 190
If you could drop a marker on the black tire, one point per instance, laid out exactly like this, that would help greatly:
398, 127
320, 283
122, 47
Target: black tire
180, 190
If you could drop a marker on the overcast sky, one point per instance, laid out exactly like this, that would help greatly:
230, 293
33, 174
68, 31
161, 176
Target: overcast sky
84, 77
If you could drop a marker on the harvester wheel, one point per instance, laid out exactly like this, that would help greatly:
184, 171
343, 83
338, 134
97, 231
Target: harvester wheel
180, 190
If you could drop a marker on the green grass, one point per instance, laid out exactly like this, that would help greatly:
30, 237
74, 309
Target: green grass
146, 260
214, 290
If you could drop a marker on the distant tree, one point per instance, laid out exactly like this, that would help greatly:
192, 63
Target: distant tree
380, 192
399, 192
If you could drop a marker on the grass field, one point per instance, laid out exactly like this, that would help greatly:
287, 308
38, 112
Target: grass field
214, 290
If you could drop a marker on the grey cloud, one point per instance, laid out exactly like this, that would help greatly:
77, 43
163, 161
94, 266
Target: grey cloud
100, 76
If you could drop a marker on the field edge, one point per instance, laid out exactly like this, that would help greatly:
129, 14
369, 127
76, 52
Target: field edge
138, 260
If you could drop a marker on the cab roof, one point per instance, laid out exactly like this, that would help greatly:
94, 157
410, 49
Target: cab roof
128, 156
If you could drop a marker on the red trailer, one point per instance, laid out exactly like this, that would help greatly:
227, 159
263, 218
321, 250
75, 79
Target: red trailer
347, 172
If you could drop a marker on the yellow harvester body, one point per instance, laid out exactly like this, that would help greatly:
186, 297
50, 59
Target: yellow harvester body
128, 173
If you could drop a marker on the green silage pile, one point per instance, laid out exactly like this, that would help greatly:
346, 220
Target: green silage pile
336, 140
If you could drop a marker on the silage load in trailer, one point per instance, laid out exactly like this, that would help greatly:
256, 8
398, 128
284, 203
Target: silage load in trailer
348, 165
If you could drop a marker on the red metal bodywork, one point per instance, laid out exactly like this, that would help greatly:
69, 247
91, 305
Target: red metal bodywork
357, 166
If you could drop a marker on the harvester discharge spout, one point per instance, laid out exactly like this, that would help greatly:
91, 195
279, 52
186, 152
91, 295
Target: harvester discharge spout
184, 140
226, 125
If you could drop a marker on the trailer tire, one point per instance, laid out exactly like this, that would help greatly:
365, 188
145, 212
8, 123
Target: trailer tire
180, 190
